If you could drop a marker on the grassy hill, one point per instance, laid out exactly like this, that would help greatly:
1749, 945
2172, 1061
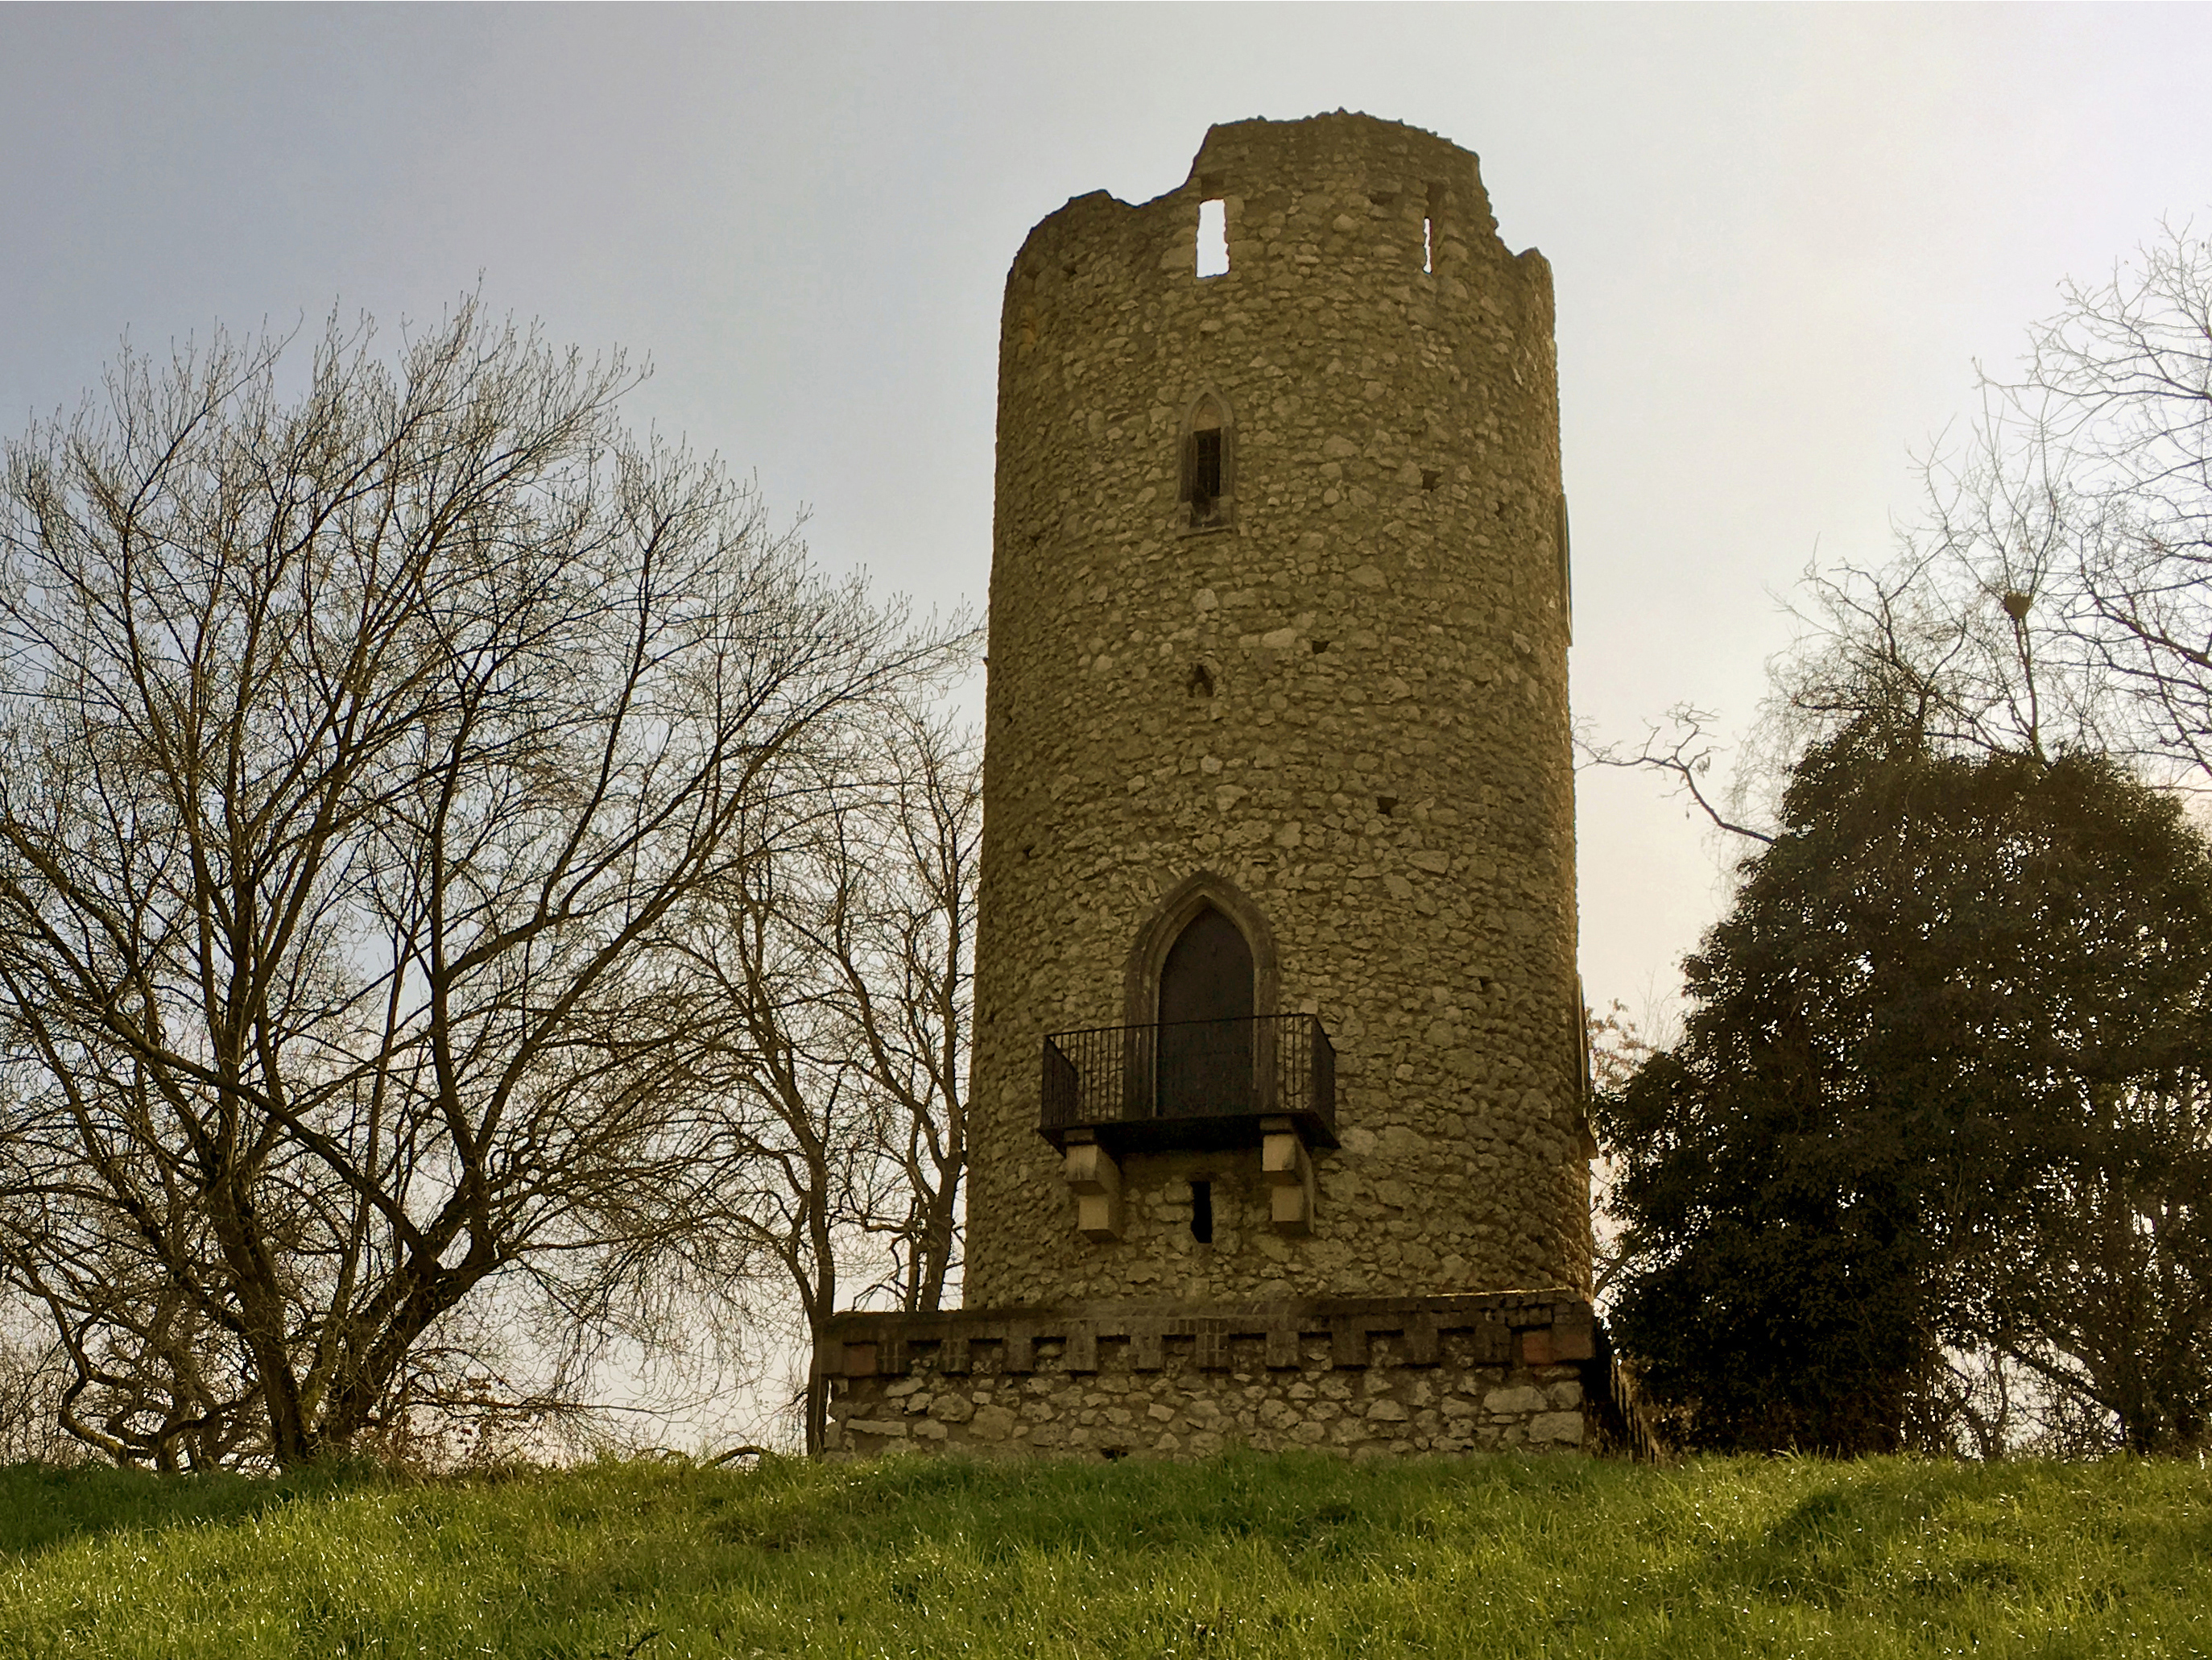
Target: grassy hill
1246, 1555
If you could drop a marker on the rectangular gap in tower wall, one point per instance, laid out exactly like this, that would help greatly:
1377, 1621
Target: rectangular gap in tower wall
1213, 238
1429, 228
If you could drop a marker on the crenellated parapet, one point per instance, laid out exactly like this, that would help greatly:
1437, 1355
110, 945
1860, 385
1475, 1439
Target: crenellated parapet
1527, 1369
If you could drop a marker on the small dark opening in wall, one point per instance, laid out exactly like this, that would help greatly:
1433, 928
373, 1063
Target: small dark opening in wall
1109, 1454
1205, 468
1201, 1211
1319, 647
1208, 465
1386, 805
1566, 571
1201, 681
1430, 478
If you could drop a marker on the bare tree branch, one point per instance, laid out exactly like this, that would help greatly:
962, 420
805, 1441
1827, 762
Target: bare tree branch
1687, 759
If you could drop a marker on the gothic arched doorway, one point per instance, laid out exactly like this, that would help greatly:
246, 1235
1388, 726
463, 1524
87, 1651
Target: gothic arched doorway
1206, 1025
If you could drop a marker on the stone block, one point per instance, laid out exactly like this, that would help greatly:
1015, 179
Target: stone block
1563, 1428
1516, 1402
992, 1424
1081, 1353
1096, 1181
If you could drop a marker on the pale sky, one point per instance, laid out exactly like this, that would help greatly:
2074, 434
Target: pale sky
1783, 239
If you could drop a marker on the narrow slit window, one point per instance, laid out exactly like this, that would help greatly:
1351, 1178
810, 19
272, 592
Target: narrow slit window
1206, 481
1213, 238
1429, 223
1205, 467
1201, 1211
1566, 570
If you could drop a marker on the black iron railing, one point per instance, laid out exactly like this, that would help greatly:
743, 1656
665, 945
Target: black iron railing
1190, 1082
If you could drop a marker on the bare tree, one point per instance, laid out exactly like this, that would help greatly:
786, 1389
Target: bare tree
1618, 1049
2057, 593
833, 982
904, 957
794, 1156
355, 753
2112, 425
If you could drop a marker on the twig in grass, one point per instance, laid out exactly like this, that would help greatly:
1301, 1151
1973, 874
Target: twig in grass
748, 1451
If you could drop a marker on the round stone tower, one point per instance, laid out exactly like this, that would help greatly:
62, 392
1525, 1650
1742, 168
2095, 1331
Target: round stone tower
1276, 992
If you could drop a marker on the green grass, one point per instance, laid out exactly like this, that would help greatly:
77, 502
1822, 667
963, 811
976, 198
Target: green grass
1245, 1556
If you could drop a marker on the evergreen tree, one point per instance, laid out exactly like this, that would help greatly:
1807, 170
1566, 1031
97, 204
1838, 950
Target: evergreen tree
1940, 1091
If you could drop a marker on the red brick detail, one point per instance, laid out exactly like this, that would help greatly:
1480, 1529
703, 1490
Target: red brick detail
1574, 1335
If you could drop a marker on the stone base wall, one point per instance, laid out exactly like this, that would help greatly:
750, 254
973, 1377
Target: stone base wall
1365, 1377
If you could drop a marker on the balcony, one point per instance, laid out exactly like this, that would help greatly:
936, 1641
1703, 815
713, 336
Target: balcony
1196, 1084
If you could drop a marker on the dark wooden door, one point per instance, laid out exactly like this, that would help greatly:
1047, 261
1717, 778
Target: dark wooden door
1205, 1020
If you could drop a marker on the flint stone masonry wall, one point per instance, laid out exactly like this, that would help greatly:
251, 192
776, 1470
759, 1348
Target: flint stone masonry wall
1365, 1377
1377, 754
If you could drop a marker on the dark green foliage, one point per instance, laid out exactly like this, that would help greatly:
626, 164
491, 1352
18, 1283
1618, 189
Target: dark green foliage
1940, 1089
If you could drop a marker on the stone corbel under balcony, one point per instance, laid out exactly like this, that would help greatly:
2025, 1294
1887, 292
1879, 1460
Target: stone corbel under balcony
1096, 1181
1288, 1169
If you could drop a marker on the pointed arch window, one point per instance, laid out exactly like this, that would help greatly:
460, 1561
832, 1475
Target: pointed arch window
1208, 463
